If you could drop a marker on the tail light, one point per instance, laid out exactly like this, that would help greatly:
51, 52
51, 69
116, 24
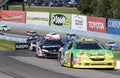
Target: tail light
58, 46
40, 52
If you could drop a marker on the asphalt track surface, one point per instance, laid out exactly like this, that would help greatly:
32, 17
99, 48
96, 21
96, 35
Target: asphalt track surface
24, 64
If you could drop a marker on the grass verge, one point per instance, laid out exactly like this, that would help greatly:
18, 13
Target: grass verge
47, 9
7, 45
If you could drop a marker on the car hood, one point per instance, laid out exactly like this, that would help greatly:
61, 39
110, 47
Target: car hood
94, 52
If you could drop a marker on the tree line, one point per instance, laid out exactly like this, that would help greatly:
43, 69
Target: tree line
100, 8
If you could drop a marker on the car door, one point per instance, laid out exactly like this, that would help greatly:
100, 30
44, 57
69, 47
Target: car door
67, 53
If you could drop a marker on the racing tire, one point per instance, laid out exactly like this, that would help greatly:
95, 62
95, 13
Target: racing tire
111, 69
71, 61
61, 61
47, 56
59, 56
36, 55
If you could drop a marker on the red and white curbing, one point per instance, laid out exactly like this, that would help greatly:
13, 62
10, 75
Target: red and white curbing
118, 64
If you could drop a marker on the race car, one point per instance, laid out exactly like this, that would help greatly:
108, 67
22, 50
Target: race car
4, 28
111, 45
32, 46
48, 48
69, 37
86, 54
1, 33
31, 33
53, 35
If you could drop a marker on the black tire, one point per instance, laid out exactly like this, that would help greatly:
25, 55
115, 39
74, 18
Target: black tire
36, 55
60, 60
47, 56
111, 69
59, 55
71, 61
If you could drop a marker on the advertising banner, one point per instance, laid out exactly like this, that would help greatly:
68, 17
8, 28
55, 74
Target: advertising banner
79, 22
60, 20
21, 46
38, 18
13, 16
96, 24
113, 26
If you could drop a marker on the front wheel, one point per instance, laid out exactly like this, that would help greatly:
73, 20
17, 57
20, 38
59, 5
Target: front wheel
61, 59
71, 61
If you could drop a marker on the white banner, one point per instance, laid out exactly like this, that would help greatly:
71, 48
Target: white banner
38, 18
79, 22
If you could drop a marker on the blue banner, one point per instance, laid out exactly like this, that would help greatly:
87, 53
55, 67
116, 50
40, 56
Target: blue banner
113, 26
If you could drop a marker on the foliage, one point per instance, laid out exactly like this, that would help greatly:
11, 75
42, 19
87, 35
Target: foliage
47, 9
87, 6
101, 8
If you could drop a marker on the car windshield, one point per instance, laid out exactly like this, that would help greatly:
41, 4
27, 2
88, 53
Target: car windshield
111, 42
88, 45
4, 26
53, 42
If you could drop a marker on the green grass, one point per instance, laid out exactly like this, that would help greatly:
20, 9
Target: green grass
47, 9
7, 45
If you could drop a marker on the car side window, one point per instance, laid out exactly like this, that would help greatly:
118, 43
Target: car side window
70, 46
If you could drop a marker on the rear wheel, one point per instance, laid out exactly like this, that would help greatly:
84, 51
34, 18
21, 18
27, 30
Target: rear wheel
36, 55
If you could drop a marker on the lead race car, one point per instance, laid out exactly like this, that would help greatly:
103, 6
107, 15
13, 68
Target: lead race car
86, 54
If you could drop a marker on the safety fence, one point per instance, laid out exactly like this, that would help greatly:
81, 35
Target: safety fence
21, 40
63, 30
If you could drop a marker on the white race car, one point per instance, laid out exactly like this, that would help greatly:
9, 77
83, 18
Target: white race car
111, 45
4, 28
52, 35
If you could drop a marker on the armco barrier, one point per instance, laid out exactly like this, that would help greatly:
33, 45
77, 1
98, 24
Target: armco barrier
64, 30
21, 40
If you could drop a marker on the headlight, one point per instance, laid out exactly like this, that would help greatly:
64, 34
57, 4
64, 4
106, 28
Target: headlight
85, 59
108, 59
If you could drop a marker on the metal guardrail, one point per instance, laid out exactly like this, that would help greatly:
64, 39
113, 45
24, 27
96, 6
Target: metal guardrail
64, 30
21, 40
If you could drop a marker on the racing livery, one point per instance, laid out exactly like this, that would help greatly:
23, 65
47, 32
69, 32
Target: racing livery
48, 48
111, 45
4, 28
86, 54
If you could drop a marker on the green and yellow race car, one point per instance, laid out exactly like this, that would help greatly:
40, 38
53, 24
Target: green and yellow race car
86, 53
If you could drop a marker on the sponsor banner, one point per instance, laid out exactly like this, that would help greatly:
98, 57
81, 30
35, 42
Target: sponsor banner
38, 18
21, 46
113, 26
13, 16
60, 20
79, 22
96, 24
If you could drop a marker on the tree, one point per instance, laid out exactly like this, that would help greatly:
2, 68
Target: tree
102, 8
116, 9
84, 6
87, 6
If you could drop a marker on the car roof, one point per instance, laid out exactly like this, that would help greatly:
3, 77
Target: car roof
85, 40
